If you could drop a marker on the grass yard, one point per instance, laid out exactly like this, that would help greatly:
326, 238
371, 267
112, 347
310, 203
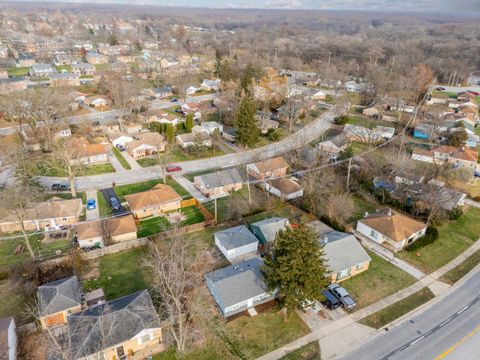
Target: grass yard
178, 155
121, 274
104, 208
358, 147
101, 67
311, 351
18, 71
44, 170
397, 310
7, 249
13, 303
244, 338
451, 95
455, 237
461, 270
122, 190
120, 158
190, 177
362, 206
60, 68
67, 195
379, 281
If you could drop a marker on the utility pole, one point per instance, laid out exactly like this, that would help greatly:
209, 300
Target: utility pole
230, 49
276, 55
329, 58
348, 174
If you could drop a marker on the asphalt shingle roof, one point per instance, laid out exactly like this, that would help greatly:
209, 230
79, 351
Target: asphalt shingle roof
58, 295
235, 237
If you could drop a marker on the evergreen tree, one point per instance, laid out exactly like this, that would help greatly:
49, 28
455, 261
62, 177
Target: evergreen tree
112, 39
246, 79
296, 267
189, 122
218, 64
247, 130
170, 133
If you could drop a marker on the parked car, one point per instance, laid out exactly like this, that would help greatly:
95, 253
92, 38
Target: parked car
440, 88
179, 111
60, 187
173, 168
91, 205
342, 295
330, 301
114, 204
121, 147
174, 100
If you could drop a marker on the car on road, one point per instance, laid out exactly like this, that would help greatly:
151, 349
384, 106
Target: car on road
60, 187
439, 88
174, 100
173, 168
342, 295
179, 111
331, 301
91, 204
114, 204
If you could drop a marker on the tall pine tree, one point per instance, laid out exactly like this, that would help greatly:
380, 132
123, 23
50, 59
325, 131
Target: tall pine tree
296, 267
189, 122
247, 130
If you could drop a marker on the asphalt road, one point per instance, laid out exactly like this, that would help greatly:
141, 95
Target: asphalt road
310, 132
448, 329
110, 193
108, 116
458, 89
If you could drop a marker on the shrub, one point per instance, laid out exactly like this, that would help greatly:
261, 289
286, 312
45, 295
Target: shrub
455, 213
431, 235
274, 136
341, 120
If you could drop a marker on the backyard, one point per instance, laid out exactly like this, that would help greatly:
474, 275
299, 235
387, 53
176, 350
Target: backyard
454, 238
379, 281
178, 155
122, 190
398, 309
43, 169
18, 71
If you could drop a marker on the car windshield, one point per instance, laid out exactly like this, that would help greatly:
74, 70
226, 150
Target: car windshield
341, 291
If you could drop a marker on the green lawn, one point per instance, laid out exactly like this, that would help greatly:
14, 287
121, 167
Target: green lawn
104, 208
20, 71
7, 248
452, 95
122, 190
463, 269
101, 67
366, 122
45, 170
311, 351
159, 224
398, 309
120, 158
67, 195
121, 274
358, 147
190, 177
67, 68
379, 281
455, 237
178, 155
244, 338
202, 92
13, 303
362, 206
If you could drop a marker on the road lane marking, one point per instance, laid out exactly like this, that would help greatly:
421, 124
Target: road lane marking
445, 353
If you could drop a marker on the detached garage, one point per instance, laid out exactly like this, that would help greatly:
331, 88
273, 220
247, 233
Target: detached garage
236, 242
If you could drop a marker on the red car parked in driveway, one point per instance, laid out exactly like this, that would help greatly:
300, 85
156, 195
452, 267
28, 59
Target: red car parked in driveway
173, 168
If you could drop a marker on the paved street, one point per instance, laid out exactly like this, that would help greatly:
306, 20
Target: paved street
297, 140
434, 332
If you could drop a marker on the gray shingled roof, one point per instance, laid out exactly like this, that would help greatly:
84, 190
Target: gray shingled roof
221, 178
235, 237
343, 251
240, 282
270, 227
58, 295
112, 323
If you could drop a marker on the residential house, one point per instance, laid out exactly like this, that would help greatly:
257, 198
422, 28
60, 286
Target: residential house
129, 127
154, 202
219, 184
127, 327
86, 153
236, 243
345, 256
12, 84
95, 58
125, 59
64, 79
161, 92
201, 138
423, 131
391, 229
211, 126
63, 59
160, 116
117, 138
57, 300
97, 233
8, 339
334, 146
463, 157
229, 134
95, 101
211, 85
198, 109
238, 288
266, 230
42, 70
284, 188
146, 144
25, 60
319, 95
371, 112
268, 169
84, 69
49, 214
62, 131
192, 90
370, 136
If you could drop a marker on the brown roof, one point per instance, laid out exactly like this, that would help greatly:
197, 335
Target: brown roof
271, 164
160, 194
393, 224
466, 154
115, 226
151, 138
286, 186
84, 148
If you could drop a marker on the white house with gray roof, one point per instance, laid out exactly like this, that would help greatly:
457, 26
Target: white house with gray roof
219, 184
267, 229
239, 287
42, 70
236, 242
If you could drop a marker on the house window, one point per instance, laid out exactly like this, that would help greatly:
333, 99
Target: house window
411, 240
373, 234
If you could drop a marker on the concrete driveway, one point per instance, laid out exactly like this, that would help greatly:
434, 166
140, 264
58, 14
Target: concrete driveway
110, 193
92, 214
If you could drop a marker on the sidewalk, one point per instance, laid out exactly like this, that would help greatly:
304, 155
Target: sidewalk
114, 161
190, 188
389, 256
332, 336
131, 161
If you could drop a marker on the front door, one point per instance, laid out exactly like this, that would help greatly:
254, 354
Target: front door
120, 353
